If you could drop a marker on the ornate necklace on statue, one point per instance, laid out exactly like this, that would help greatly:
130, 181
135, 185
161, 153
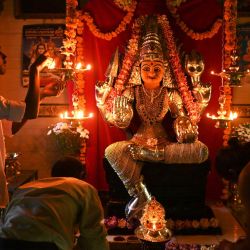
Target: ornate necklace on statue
151, 112
152, 93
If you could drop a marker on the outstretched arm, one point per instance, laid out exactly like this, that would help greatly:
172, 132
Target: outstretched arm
34, 96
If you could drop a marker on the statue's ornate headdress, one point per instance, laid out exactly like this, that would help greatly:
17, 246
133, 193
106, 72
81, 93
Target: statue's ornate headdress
151, 48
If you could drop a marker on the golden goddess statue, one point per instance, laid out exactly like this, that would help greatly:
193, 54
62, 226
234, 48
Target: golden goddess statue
151, 92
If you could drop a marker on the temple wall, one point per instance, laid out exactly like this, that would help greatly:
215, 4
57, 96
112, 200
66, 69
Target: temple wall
31, 141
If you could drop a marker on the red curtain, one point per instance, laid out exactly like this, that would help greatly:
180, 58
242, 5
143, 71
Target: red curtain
198, 15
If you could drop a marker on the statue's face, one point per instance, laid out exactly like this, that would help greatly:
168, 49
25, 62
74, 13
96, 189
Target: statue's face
194, 68
152, 73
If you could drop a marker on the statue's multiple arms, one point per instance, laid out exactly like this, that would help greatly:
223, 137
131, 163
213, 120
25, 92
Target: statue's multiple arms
194, 66
185, 131
202, 95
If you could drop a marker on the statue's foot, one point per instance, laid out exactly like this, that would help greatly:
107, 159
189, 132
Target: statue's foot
132, 210
146, 154
135, 206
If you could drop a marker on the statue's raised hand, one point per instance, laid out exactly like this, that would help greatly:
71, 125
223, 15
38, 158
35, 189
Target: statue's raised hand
122, 112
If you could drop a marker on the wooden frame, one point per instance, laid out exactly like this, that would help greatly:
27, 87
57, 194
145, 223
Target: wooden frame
29, 9
243, 110
243, 8
243, 39
38, 38
52, 109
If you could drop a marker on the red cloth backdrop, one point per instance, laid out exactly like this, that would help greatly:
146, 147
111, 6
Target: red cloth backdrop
198, 15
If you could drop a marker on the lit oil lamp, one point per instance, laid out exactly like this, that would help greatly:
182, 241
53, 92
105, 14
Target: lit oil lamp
222, 118
153, 225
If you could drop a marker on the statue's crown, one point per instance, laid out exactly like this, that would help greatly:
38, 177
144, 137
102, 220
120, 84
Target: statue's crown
151, 48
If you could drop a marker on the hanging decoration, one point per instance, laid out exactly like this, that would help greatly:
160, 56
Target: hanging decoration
130, 7
173, 8
222, 119
230, 73
230, 19
121, 27
191, 106
230, 76
129, 59
124, 4
74, 68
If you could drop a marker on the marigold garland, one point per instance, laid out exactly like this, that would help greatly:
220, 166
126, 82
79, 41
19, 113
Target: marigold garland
129, 58
121, 27
230, 19
230, 44
123, 4
80, 81
191, 106
73, 47
172, 6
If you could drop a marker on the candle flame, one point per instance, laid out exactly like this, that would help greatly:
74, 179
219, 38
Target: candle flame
233, 115
52, 64
88, 67
76, 115
78, 65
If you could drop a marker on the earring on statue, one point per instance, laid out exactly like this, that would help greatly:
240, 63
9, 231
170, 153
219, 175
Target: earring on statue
135, 77
167, 80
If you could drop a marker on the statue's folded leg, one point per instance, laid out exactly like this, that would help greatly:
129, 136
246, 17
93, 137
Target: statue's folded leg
129, 171
186, 153
174, 153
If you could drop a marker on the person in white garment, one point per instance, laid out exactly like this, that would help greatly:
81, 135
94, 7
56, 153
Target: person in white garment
13, 114
61, 212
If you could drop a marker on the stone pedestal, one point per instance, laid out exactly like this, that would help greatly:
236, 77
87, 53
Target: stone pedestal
180, 188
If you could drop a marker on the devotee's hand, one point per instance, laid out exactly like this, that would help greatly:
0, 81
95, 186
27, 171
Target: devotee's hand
52, 89
122, 111
41, 62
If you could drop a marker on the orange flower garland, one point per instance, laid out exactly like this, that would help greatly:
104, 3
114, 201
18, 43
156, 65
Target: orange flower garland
230, 44
73, 47
80, 82
194, 35
69, 43
230, 19
124, 4
121, 27
191, 106
129, 58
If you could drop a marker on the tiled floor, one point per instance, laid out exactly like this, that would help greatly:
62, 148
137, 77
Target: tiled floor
231, 230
